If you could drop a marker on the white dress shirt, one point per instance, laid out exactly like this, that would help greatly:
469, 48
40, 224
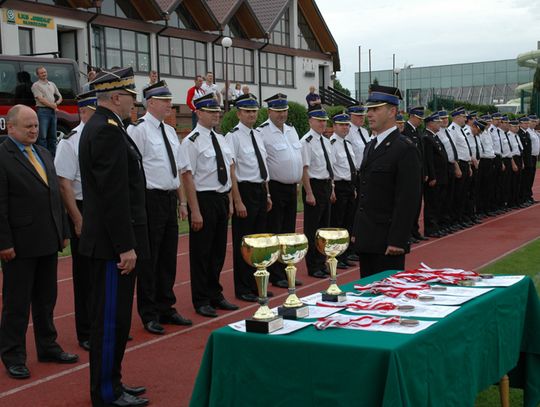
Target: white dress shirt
313, 155
202, 158
496, 139
443, 136
342, 170
506, 151
487, 144
157, 167
535, 142
515, 143
382, 136
283, 152
460, 142
470, 138
246, 166
359, 137
66, 160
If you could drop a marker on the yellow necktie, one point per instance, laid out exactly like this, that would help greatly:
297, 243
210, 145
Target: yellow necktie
40, 170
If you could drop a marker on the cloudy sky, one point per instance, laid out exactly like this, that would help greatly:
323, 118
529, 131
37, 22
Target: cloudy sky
425, 33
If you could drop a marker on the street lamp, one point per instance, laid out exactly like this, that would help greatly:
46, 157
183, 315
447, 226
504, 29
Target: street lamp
408, 67
226, 43
396, 72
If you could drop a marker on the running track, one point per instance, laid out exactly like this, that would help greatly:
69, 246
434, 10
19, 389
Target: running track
167, 365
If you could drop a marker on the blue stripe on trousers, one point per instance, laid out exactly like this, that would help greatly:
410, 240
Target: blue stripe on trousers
109, 332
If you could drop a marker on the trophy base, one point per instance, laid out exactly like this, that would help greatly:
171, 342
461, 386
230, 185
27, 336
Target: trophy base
294, 313
264, 326
334, 297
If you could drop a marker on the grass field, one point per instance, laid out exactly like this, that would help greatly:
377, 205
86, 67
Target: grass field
524, 261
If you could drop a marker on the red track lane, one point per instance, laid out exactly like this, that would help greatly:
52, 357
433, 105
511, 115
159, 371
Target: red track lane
168, 364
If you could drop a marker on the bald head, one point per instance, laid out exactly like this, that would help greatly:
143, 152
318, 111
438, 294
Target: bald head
22, 124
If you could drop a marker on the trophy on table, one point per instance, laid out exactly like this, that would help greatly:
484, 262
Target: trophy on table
293, 248
332, 242
260, 251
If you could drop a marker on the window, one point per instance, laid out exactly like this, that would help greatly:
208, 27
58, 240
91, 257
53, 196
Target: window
181, 18
62, 75
277, 69
281, 33
122, 9
306, 39
240, 62
26, 43
114, 47
180, 57
8, 79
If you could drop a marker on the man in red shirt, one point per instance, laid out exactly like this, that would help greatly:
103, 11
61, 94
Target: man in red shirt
193, 93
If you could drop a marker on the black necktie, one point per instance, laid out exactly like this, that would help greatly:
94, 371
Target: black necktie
508, 139
517, 141
466, 141
327, 159
262, 167
221, 170
477, 149
451, 143
362, 135
351, 162
169, 151
481, 145
500, 142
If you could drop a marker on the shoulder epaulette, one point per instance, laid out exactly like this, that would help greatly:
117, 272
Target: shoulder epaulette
309, 138
233, 130
71, 133
263, 125
491, 129
194, 136
408, 140
332, 141
112, 122
139, 121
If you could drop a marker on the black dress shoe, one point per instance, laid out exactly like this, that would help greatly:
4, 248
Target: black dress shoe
298, 282
175, 319
342, 266
353, 257
206, 311
248, 297
420, 237
134, 391
85, 345
414, 240
281, 284
127, 400
130, 338
154, 327
318, 274
61, 357
225, 305
269, 294
18, 372
433, 235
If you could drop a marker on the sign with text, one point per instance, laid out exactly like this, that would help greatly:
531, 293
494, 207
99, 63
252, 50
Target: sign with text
28, 19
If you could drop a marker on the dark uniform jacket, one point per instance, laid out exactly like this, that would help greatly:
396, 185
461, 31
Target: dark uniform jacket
113, 183
32, 217
435, 159
388, 194
524, 136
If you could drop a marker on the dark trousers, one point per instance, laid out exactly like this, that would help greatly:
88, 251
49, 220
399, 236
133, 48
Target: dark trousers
315, 217
460, 192
207, 248
47, 129
82, 295
373, 263
470, 206
28, 283
496, 183
194, 119
254, 199
281, 219
506, 179
447, 206
156, 276
112, 295
485, 180
342, 211
415, 231
515, 180
433, 200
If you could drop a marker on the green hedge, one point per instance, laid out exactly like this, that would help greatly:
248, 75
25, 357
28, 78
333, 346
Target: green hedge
297, 118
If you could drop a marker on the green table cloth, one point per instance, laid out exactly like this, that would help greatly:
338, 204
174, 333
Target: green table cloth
445, 365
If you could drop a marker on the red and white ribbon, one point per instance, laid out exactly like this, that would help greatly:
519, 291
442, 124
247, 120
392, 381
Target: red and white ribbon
374, 304
393, 287
430, 275
364, 321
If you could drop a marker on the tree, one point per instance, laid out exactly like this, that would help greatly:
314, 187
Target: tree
535, 97
339, 87
375, 81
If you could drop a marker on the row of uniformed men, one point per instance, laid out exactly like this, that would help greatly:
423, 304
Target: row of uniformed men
474, 167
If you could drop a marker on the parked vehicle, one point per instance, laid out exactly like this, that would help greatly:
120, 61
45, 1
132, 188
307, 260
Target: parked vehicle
17, 73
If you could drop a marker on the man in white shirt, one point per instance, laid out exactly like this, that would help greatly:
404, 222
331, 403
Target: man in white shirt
163, 157
210, 87
284, 161
517, 165
485, 168
318, 186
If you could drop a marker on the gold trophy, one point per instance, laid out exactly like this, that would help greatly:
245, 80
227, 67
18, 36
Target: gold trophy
260, 251
293, 248
332, 242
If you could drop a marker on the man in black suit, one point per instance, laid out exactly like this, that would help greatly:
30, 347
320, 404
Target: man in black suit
411, 130
436, 170
389, 188
114, 233
33, 229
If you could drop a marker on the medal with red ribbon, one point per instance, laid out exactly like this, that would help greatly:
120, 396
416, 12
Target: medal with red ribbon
393, 287
430, 275
365, 321
377, 304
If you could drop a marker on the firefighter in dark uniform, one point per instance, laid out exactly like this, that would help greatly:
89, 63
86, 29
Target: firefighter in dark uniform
114, 232
207, 188
436, 169
389, 188
318, 186
411, 130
